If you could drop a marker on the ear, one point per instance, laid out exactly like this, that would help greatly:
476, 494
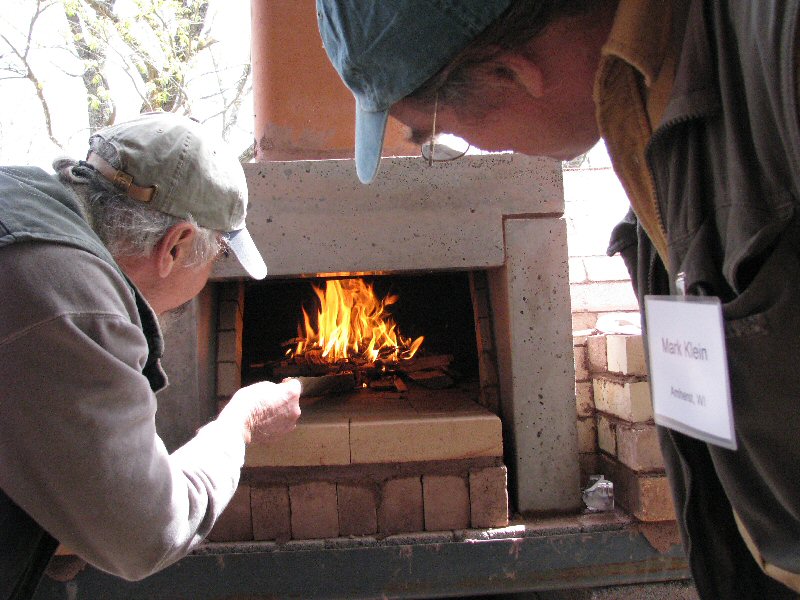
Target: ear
175, 248
523, 70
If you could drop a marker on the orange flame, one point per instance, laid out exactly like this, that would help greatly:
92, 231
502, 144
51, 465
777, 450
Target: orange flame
352, 323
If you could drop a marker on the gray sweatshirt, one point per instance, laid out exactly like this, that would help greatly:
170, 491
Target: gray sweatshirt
78, 446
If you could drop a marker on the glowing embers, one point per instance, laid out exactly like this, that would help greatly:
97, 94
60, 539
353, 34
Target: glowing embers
351, 327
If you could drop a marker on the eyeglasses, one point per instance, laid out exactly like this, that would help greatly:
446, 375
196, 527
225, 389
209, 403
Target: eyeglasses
439, 149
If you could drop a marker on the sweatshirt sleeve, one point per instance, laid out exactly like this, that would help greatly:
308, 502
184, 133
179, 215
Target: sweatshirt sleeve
79, 450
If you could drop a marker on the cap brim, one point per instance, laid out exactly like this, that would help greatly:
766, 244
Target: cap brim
245, 251
370, 129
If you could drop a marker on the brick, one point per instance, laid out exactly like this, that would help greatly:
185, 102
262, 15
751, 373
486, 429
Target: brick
647, 497
480, 302
625, 354
319, 439
587, 435
314, 512
357, 506
411, 437
584, 399
627, 400
235, 523
232, 290
229, 378
445, 500
230, 316
488, 497
487, 369
229, 347
583, 321
607, 435
603, 296
483, 333
596, 352
401, 508
581, 363
638, 447
271, 517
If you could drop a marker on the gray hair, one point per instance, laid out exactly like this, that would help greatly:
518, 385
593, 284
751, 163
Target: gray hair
460, 83
126, 227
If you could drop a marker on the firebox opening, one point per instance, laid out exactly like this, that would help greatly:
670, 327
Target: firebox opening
436, 307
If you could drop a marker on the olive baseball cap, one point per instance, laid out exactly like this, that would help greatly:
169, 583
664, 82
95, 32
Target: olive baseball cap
385, 50
177, 166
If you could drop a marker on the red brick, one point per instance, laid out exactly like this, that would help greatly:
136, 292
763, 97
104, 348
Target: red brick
357, 509
446, 502
400, 509
313, 509
235, 523
488, 497
271, 517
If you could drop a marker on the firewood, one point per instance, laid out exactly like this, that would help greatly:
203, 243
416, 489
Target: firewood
421, 363
434, 379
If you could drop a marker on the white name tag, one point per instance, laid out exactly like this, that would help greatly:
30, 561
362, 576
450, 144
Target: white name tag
689, 368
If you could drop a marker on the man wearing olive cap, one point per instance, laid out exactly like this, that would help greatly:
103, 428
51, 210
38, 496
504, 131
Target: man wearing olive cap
697, 103
89, 259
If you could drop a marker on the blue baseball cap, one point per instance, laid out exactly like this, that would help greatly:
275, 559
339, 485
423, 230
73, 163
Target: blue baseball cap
386, 49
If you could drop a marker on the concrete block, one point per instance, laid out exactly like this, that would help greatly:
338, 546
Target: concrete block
235, 523
488, 496
445, 500
638, 447
314, 512
401, 506
626, 354
271, 515
357, 509
628, 400
596, 353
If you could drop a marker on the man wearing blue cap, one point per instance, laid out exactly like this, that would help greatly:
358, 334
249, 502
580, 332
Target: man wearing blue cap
89, 258
697, 104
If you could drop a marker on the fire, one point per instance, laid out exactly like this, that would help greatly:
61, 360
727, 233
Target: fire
353, 325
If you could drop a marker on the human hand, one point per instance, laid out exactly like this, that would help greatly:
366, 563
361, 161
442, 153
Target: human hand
264, 410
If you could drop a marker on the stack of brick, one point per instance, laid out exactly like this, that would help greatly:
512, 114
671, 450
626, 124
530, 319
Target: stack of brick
615, 423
